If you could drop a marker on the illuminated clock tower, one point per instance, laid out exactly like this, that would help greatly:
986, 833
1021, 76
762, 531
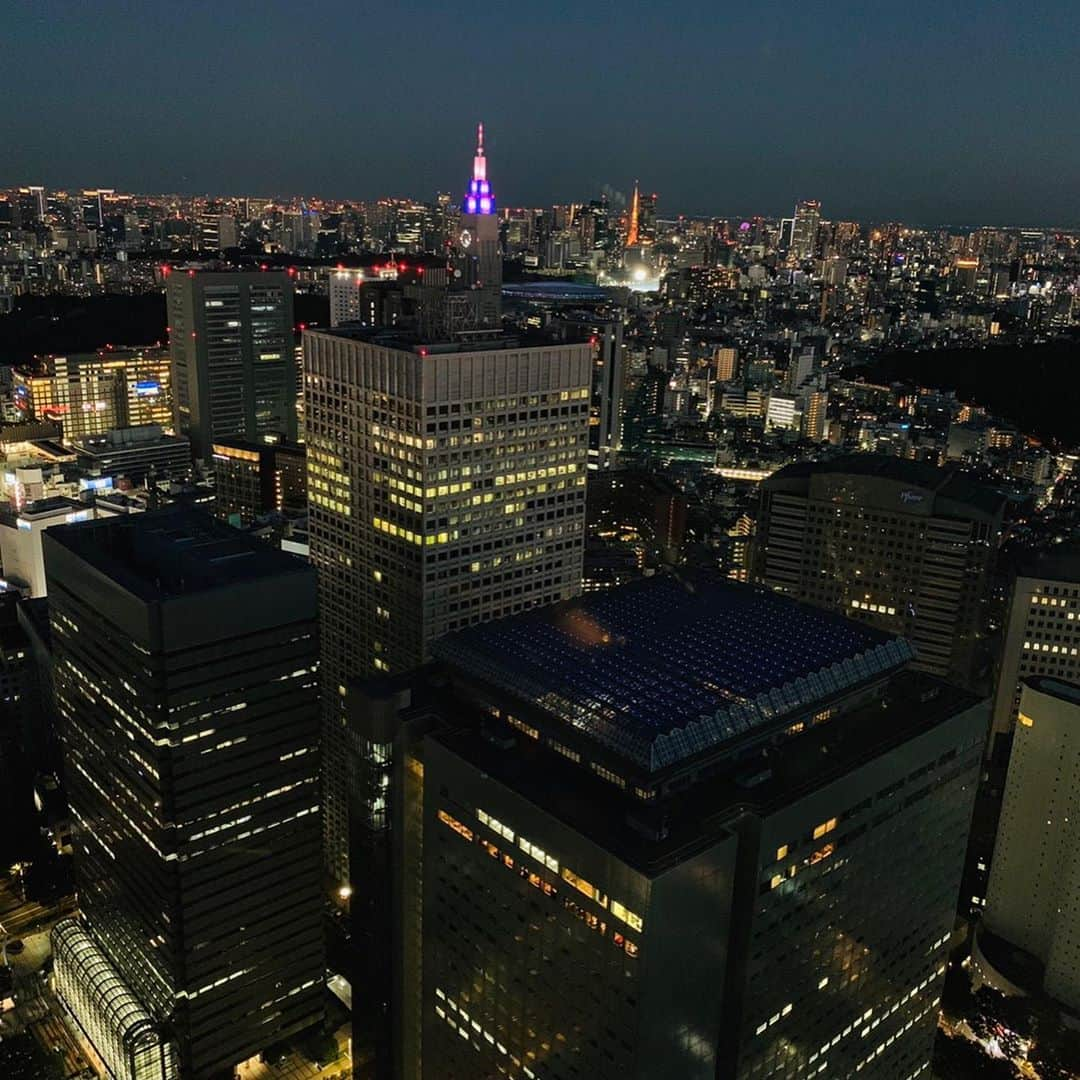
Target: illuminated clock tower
475, 254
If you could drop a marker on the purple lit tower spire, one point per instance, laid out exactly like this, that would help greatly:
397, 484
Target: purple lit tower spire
476, 253
479, 199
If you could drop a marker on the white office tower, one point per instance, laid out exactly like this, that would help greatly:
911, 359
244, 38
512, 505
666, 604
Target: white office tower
1042, 636
1035, 875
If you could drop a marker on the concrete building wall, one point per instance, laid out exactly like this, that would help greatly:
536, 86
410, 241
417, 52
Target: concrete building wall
1035, 874
1042, 637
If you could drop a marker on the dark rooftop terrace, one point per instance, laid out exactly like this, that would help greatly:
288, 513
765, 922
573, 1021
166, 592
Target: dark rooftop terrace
172, 552
947, 483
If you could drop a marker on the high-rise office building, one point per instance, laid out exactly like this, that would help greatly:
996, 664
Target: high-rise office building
148, 378
804, 230
815, 412
802, 368
1042, 634
446, 486
725, 361
782, 413
393, 293
94, 207
21, 727
409, 227
92, 393
32, 203
256, 478
215, 229
81, 393
606, 398
1035, 874
476, 254
185, 673
135, 453
231, 340
352, 300
681, 828
647, 219
899, 544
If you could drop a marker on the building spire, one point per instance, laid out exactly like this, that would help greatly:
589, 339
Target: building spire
479, 168
635, 214
479, 198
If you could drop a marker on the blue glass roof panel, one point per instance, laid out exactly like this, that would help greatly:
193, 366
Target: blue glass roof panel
633, 667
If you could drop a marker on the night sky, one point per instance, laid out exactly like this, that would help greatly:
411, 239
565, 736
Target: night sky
953, 111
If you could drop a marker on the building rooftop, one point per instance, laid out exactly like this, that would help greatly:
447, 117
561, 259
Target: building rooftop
555, 290
53, 450
655, 835
943, 483
49, 507
410, 340
136, 437
1058, 563
172, 552
276, 445
661, 670
1045, 684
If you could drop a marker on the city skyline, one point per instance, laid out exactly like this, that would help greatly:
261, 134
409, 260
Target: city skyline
620, 201
760, 114
539, 627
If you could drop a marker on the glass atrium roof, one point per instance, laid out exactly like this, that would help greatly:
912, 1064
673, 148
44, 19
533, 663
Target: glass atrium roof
665, 668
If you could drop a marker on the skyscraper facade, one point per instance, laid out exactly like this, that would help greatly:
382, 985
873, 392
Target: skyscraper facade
680, 828
804, 230
185, 672
256, 478
1035, 873
1042, 634
446, 486
352, 299
725, 359
89, 394
814, 414
233, 360
605, 334
902, 545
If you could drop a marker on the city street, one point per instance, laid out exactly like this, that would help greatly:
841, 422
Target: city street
37, 1011
19, 917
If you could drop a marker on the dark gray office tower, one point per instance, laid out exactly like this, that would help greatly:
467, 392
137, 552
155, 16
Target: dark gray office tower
684, 828
605, 399
233, 355
185, 669
904, 546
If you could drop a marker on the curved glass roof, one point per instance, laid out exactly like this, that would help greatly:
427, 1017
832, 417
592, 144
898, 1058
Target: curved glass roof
75, 947
665, 668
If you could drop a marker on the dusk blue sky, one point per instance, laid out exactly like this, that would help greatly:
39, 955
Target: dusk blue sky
957, 112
